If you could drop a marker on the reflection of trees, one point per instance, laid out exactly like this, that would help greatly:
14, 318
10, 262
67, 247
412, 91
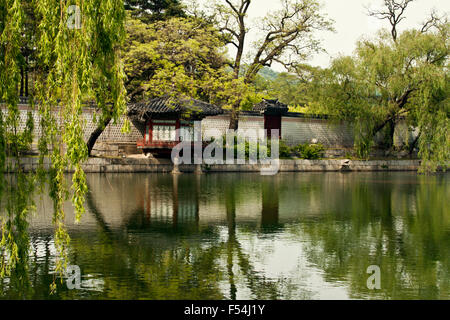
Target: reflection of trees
232, 243
157, 260
15, 241
121, 265
138, 251
410, 245
270, 205
258, 284
26, 258
168, 267
155, 269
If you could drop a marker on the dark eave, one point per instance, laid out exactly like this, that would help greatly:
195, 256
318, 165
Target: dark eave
272, 107
168, 106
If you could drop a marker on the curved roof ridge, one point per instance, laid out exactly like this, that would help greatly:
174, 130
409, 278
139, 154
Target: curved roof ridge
272, 106
169, 105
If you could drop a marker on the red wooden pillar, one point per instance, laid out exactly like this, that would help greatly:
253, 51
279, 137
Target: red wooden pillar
150, 131
177, 130
272, 122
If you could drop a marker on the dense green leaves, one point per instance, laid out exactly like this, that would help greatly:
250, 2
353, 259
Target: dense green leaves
182, 58
154, 10
177, 56
73, 65
15, 191
285, 36
388, 80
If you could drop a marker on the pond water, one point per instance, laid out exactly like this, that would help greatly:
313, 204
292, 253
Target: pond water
246, 236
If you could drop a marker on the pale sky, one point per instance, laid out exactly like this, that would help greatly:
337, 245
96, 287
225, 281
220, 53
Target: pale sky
351, 22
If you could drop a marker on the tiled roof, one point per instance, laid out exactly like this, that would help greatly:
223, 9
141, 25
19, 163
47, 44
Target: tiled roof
271, 106
168, 105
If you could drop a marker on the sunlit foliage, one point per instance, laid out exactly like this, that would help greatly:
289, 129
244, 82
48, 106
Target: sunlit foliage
75, 63
386, 80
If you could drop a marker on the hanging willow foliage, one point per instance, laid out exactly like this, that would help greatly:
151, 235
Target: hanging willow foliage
15, 190
75, 63
386, 82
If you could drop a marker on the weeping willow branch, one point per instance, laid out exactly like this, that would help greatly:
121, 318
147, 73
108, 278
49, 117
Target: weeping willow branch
75, 64
16, 191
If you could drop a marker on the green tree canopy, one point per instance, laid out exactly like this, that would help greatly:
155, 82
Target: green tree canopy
386, 80
285, 36
73, 62
175, 57
154, 10
296, 89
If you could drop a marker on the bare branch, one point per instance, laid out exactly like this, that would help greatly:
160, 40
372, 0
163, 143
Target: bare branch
230, 31
433, 21
288, 33
393, 12
232, 7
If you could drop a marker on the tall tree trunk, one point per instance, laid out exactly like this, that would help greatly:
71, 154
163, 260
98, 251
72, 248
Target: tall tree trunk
22, 79
26, 77
390, 134
96, 133
390, 123
414, 144
234, 118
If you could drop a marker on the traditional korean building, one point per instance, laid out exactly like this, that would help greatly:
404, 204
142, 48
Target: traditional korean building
272, 110
167, 121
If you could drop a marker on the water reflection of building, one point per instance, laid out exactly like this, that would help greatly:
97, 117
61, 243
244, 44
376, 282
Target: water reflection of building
175, 205
164, 200
181, 207
183, 203
270, 205
342, 209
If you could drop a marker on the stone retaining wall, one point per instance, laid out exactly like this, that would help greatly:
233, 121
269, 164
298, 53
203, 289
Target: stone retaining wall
134, 165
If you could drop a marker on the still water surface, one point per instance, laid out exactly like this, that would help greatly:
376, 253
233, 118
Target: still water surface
231, 236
